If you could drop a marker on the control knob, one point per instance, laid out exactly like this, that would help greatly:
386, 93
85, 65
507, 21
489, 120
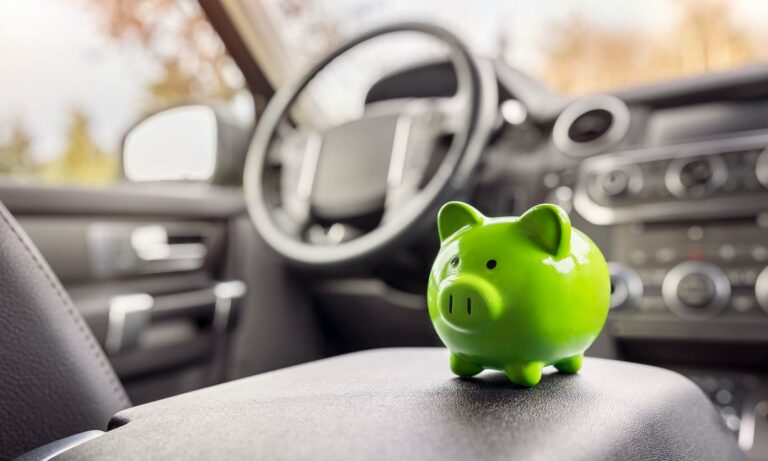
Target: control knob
618, 181
626, 287
696, 290
695, 177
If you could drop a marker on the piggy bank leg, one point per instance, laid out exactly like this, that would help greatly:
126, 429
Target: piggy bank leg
526, 374
461, 367
571, 364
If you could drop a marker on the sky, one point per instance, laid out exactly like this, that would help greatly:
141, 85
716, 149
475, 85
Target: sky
53, 57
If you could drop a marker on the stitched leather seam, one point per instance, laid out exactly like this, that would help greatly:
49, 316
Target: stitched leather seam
70, 309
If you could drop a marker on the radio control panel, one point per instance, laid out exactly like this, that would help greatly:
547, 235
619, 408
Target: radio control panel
716, 179
713, 273
689, 237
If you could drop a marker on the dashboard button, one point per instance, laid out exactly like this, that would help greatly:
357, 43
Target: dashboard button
615, 182
666, 255
743, 303
759, 253
619, 181
727, 252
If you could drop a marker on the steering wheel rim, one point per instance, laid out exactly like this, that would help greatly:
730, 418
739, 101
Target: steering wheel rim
451, 177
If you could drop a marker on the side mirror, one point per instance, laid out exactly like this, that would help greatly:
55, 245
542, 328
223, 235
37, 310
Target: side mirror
193, 142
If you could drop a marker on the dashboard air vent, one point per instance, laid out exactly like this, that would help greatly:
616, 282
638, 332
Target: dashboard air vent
591, 125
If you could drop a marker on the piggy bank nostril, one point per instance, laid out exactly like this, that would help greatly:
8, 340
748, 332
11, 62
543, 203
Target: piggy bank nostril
469, 306
450, 304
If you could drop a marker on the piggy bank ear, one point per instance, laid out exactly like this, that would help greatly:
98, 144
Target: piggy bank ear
548, 226
454, 216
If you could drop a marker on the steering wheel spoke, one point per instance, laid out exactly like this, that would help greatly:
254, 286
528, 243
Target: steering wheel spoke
297, 154
415, 141
422, 123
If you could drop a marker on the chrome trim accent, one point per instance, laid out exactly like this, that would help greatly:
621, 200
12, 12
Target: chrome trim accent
57, 447
225, 293
747, 427
615, 133
675, 185
128, 317
761, 168
761, 289
399, 151
631, 292
677, 273
309, 167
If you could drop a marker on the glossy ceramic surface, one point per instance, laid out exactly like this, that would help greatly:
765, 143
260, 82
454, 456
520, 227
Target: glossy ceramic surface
516, 294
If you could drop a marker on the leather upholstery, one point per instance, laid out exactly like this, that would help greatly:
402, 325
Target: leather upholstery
55, 380
406, 404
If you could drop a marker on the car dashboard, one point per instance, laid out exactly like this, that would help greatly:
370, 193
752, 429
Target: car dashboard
671, 181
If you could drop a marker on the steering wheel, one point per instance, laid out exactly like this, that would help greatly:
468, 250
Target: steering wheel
376, 165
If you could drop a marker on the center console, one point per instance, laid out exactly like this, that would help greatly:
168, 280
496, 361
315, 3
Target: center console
406, 404
689, 264
689, 237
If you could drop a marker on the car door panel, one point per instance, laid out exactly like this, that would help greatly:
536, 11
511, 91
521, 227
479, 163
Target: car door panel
89, 237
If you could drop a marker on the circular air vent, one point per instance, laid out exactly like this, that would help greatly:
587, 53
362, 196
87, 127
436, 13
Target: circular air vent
591, 125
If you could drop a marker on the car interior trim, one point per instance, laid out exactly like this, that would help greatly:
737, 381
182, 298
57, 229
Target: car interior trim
53, 449
671, 284
128, 317
614, 134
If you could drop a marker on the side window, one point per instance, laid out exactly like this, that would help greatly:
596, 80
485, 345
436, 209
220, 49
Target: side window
76, 74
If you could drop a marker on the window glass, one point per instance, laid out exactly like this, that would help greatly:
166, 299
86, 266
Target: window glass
75, 75
575, 47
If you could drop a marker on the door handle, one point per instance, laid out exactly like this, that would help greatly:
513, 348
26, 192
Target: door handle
226, 293
128, 317
131, 314
151, 244
123, 249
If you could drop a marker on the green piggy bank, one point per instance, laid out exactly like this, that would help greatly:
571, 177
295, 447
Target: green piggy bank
516, 294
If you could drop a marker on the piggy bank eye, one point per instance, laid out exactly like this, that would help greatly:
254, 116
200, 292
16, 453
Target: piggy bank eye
454, 261
490, 264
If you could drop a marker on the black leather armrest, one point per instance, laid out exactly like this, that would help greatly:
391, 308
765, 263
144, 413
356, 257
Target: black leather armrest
405, 404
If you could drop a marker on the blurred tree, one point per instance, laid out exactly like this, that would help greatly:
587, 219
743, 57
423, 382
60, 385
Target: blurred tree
192, 65
82, 161
708, 40
15, 157
587, 57
192, 59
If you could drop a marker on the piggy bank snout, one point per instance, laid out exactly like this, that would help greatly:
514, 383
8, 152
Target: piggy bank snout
468, 302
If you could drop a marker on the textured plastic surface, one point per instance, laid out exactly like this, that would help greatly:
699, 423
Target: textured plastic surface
404, 404
516, 294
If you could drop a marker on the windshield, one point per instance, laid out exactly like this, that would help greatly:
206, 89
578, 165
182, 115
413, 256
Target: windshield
574, 46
